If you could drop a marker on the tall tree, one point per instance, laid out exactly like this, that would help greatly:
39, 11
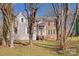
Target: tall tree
61, 13
74, 20
31, 15
1, 30
8, 32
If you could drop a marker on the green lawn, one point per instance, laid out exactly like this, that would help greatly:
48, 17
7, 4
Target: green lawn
39, 48
35, 50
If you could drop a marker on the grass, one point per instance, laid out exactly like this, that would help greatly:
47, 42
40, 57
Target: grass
26, 51
39, 48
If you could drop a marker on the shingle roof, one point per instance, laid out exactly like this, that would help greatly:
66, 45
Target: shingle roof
39, 18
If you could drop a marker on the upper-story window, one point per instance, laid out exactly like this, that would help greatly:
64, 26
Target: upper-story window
21, 19
48, 32
49, 23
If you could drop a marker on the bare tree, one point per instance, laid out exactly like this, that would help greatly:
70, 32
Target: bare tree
63, 24
7, 24
61, 13
1, 30
31, 15
74, 20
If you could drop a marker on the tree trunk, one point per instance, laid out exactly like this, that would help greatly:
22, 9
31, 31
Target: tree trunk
12, 36
30, 33
30, 40
57, 28
3, 42
62, 33
37, 32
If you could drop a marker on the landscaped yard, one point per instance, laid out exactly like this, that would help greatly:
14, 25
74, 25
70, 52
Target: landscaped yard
36, 50
39, 48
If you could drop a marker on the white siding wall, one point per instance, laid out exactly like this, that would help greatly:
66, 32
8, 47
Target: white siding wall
22, 28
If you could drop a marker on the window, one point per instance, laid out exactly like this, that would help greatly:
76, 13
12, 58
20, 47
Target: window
48, 31
53, 31
21, 19
49, 23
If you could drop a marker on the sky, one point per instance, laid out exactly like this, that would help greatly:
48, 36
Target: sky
43, 7
19, 7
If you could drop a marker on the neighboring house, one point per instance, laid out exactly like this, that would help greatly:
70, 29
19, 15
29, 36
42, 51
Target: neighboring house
50, 29
21, 25
45, 28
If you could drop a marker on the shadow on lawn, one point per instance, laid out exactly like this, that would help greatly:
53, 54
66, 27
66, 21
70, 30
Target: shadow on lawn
72, 51
21, 43
50, 47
